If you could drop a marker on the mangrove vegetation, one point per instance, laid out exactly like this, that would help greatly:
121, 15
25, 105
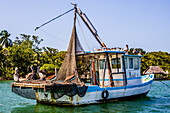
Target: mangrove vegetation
25, 51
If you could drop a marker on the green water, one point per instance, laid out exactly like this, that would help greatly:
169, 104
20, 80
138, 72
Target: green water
157, 100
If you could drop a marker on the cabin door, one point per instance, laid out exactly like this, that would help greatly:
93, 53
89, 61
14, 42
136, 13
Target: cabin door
132, 65
103, 67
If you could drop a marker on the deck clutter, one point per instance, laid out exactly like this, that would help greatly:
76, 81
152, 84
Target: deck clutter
113, 74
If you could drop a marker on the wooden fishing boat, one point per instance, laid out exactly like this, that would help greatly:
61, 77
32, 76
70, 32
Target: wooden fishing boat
114, 75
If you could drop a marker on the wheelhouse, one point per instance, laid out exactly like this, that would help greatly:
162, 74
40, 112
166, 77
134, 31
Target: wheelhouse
113, 68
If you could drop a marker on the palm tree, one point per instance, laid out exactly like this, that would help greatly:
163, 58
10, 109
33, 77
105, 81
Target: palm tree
4, 40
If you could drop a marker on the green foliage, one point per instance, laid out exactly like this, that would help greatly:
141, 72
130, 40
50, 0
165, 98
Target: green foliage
49, 55
2, 60
161, 59
138, 50
83, 64
59, 58
4, 40
49, 68
26, 52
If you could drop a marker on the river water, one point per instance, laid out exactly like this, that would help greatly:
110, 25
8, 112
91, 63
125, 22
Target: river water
157, 100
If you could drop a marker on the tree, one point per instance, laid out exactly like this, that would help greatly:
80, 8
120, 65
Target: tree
138, 50
23, 54
60, 58
161, 59
49, 55
2, 60
4, 40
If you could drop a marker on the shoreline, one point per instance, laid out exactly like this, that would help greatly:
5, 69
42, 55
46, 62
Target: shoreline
153, 80
5, 79
161, 79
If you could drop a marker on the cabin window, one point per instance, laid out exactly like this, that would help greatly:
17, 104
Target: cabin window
102, 63
96, 65
126, 65
130, 63
136, 63
115, 63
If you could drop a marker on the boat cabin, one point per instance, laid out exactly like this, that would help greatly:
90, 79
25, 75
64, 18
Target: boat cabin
113, 67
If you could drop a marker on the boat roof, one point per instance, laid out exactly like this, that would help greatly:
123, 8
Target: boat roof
106, 51
119, 52
133, 55
100, 52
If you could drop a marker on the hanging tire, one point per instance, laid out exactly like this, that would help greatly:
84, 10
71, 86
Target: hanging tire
105, 94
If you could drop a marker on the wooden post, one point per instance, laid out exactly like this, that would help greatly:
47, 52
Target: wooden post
104, 72
125, 78
117, 62
109, 70
94, 77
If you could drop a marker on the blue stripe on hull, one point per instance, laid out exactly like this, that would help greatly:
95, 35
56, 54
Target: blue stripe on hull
122, 79
128, 78
97, 88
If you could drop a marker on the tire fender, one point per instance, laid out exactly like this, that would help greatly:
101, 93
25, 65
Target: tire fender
105, 94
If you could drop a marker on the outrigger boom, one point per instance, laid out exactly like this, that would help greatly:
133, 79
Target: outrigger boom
85, 20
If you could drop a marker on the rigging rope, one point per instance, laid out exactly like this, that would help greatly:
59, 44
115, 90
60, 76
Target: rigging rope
83, 35
164, 84
53, 35
54, 18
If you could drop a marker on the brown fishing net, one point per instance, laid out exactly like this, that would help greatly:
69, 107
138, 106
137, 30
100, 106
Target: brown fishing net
69, 64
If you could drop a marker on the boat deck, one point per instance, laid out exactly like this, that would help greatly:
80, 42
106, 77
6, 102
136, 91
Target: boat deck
38, 84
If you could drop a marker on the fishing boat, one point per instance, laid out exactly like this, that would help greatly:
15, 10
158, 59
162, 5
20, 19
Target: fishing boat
113, 74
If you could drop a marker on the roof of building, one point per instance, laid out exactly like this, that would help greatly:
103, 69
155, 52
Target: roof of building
154, 69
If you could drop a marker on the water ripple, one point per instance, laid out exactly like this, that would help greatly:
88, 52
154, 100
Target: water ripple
158, 100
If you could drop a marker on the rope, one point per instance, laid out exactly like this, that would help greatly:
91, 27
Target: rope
54, 19
164, 84
83, 35
53, 35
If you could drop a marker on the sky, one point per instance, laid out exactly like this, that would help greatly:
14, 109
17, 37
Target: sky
139, 23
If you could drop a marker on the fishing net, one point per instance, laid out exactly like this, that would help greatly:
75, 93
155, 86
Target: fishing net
69, 64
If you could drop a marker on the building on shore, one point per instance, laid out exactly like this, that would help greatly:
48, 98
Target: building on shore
159, 74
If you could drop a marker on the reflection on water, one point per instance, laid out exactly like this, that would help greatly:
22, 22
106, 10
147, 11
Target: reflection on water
158, 100
146, 104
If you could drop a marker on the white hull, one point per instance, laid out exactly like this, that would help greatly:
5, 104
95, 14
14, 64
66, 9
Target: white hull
140, 87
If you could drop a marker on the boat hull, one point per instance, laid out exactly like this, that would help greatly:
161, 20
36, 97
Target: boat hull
64, 103
96, 94
136, 87
25, 92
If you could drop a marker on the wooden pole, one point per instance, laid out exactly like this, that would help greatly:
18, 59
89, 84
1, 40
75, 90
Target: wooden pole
109, 70
104, 72
94, 77
117, 62
125, 78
